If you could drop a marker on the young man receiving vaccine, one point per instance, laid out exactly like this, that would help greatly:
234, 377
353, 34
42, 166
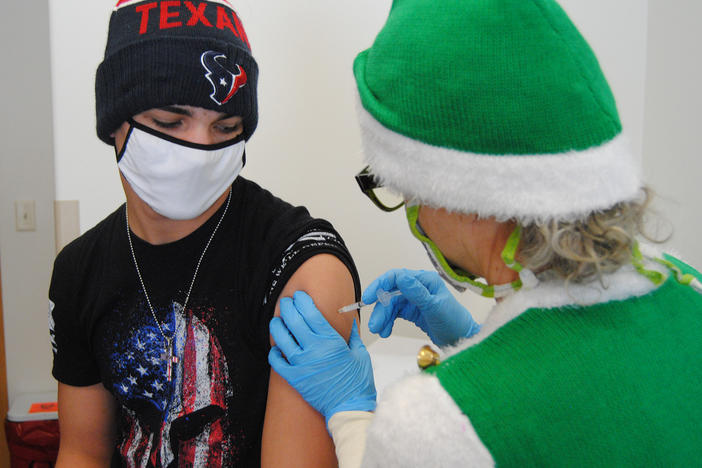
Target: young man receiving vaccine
159, 314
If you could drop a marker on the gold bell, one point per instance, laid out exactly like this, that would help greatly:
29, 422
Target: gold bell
427, 357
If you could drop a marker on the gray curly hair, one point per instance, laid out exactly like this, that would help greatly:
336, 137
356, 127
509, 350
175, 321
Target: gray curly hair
581, 251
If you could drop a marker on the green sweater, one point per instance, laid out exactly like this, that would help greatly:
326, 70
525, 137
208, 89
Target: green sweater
612, 384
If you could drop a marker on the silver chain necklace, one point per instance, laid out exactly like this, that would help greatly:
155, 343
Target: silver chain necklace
169, 355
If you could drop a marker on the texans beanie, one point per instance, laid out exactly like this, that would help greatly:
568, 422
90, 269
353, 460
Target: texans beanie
173, 52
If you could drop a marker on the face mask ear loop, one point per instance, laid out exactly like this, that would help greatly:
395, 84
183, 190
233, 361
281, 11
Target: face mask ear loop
527, 279
686, 279
457, 279
412, 218
637, 260
119, 154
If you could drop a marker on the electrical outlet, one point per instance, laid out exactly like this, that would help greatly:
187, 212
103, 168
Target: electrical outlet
25, 218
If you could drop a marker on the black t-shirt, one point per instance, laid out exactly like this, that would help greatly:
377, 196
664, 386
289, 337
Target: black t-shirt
211, 412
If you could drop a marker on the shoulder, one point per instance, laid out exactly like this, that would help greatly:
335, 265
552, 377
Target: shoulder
79, 253
311, 257
267, 217
279, 228
418, 424
253, 197
280, 238
85, 243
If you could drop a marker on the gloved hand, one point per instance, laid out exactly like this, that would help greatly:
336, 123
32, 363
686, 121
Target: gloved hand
425, 300
315, 360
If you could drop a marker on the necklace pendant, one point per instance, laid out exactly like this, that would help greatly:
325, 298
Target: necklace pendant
169, 356
169, 367
169, 370
167, 350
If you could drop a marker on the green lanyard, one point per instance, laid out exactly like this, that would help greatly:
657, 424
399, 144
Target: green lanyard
462, 280
657, 277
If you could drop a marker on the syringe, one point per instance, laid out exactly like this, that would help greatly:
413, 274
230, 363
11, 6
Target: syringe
383, 296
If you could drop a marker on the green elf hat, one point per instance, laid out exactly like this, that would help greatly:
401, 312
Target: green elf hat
494, 107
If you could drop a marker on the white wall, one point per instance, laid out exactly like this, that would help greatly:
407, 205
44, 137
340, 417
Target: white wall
672, 157
85, 166
307, 146
26, 173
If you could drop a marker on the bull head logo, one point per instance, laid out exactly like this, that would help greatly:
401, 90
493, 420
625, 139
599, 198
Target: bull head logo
224, 82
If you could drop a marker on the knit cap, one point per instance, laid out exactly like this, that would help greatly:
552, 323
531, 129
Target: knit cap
173, 52
494, 107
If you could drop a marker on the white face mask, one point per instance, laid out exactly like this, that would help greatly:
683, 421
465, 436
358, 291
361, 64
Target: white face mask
178, 179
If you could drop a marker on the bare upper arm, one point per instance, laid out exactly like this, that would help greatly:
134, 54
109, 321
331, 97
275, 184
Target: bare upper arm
87, 421
328, 281
294, 433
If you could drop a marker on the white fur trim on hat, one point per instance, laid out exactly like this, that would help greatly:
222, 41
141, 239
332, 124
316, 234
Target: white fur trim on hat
567, 186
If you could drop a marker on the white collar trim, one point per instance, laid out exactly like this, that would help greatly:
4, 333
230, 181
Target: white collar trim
622, 284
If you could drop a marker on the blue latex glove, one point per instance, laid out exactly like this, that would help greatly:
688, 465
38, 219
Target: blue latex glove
425, 301
330, 375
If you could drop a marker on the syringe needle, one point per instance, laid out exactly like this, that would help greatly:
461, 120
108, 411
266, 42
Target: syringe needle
351, 307
383, 296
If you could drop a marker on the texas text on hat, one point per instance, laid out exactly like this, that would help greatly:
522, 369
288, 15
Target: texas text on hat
170, 14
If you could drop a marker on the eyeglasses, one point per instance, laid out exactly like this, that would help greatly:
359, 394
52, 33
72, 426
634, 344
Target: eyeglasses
380, 196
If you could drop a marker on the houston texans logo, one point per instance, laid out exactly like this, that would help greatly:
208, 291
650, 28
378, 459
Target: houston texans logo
225, 83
